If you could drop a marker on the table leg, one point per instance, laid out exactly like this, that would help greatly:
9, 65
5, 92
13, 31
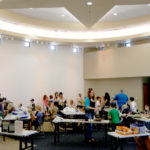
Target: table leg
3, 138
26, 143
121, 144
115, 143
55, 134
32, 144
111, 143
58, 133
20, 144
106, 131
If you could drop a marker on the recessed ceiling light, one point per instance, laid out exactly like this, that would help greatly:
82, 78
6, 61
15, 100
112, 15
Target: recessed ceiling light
75, 50
115, 14
89, 3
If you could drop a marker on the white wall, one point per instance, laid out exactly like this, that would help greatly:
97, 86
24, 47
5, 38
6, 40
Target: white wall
32, 72
118, 62
131, 86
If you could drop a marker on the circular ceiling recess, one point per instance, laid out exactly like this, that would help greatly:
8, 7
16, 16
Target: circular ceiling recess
75, 21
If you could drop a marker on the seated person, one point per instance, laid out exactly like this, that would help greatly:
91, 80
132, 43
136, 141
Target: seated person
125, 108
127, 120
146, 110
72, 105
22, 108
133, 105
37, 118
114, 116
52, 110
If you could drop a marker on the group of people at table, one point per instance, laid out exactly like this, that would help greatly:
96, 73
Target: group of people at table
91, 105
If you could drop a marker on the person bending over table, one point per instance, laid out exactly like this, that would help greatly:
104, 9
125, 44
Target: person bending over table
89, 114
121, 99
114, 116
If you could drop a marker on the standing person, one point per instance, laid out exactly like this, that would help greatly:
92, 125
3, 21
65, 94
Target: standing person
107, 99
121, 99
56, 96
80, 100
45, 103
32, 105
89, 114
51, 98
62, 101
1, 108
133, 105
114, 115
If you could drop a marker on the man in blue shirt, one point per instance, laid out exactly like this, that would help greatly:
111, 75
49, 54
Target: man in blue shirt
121, 99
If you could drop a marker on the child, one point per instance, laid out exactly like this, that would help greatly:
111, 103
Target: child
133, 105
146, 109
113, 115
32, 105
38, 117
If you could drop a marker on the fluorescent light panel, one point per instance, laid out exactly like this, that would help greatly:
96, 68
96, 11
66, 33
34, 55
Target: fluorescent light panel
52, 47
27, 44
75, 50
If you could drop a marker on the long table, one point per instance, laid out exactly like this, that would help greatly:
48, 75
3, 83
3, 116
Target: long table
76, 115
18, 117
57, 123
25, 136
115, 137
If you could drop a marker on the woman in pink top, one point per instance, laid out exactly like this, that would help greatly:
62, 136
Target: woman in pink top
45, 103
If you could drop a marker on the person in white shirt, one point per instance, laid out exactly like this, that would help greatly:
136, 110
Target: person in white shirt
133, 105
98, 104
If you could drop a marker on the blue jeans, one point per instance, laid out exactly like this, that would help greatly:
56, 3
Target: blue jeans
89, 127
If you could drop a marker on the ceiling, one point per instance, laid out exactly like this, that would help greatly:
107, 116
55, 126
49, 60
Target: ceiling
86, 23
125, 12
58, 14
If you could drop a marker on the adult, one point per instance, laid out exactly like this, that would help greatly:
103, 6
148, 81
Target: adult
45, 103
80, 100
107, 99
52, 110
62, 101
56, 96
89, 114
121, 99
1, 108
